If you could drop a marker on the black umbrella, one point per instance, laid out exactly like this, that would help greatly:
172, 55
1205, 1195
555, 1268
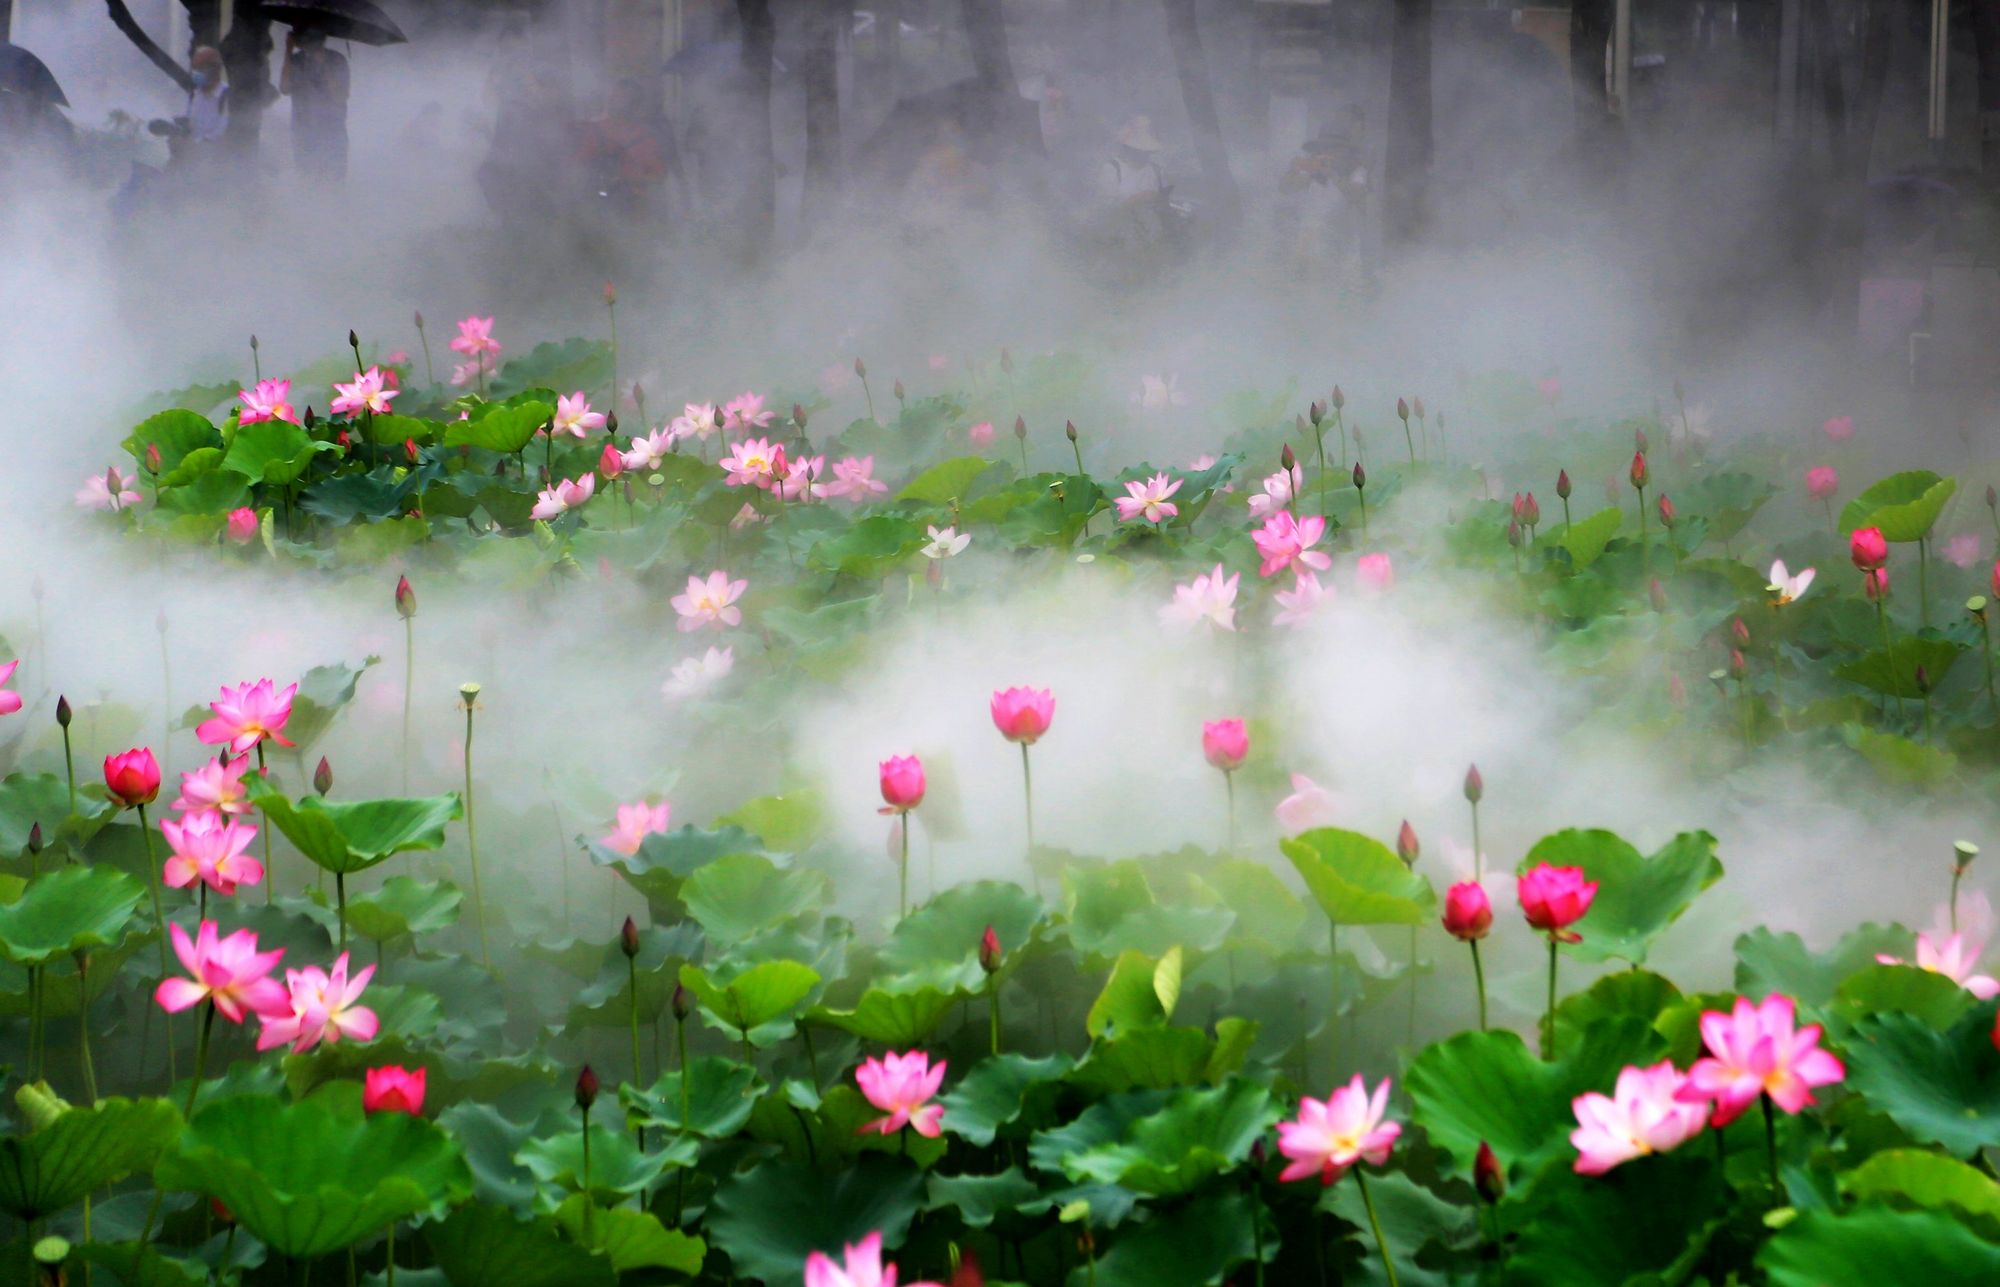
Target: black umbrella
24, 74
357, 20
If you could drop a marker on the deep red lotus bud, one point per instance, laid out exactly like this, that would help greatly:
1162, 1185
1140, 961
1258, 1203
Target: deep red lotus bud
1468, 912
1069, 430
1658, 594
1402, 410
1406, 844
1286, 460
611, 423
312, 419
342, 441
1531, 513
1737, 666
1020, 428
1475, 786
406, 598
1868, 548
1488, 1176
628, 938
1640, 474
1562, 484
586, 1088
1666, 510
1739, 631
989, 950
683, 1003
1360, 476
1339, 399
323, 776
418, 318
35, 838
410, 449
62, 712
353, 340
152, 457
132, 777
221, 1212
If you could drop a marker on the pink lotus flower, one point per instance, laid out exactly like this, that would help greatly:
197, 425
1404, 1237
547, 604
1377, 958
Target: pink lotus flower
744, 412
1209, 597
696, 675
270, 400
902, 1086
745, 517
1550, 388
109, 490
209, 847
862, 1265
611, 461
1756, 1050
697, 420
753, 462
392, 1089
902, 782
1023, 714
368, 392
854, 479
1788, 588
650, 451
1822, 482
635, 823
1555, 898
1468, 912
1375, 572
132, 777
1330, 1136
10, 701
710, 601
321, 1008
230, 972
1955, 956
247, 714
1963, 550
945, 542
1838, 428
465, 373
1159, 393
240, 528
1875, 584
801, 479
1297, 605
980, 435
1148, 499
1225, 743
1284, 540
574, 416
1642, 1115
475, 337
569, 494
216, 786
1278, 491
1308, 806
1868, 548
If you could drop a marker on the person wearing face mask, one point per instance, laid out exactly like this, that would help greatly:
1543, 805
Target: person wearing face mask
208, 101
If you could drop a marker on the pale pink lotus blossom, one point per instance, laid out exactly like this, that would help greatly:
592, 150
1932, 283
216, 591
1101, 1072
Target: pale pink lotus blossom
938, 362
1838, 428
1297, 605
1822, 481
746, 517
475, 337
269, 400
754, 462
697, 420
854, 478
801, 480
247, 714
217, 785
744, 412
574, 416
902, 1086
980, 435
1642, 1115
1148, 499
710, 601
1786, 587
467, 372
1375, 572
1159, 393
1963, 550
569, 494
1757, 1050
321, 1008
109, 490
649, 451
1285, 540
1279, 488
836, 379
209, 847
1329, 1136
1308, 806
230, 972
369, 391
635, 823
1955, 956
693, 676
946, 542
10, 701
1201, 463
861, 1266
1210, 597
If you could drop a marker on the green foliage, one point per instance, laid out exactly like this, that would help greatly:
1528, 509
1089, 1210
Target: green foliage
1358, 880
73, 1151
1637, 898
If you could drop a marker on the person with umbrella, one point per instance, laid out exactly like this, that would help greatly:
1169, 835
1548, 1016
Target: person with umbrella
30, 105
315, 79
208, 101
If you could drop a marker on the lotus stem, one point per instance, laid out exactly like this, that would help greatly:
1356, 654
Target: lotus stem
632, 976
993, 1010
1923, 582
472, 835
1478, 858
83, 1029
153, 887
1549, 1018
200, 1057
903, 868
1229, 786
409, 680
1479, 982
1028, 795
1411, 1029
1565, 501
340, 901
1375, 1223
1333, 1000
1771, 1150
587, 1203
868, 393
270, 873
1986, 654
69, 766
391, 1253
611, 307
681, 1044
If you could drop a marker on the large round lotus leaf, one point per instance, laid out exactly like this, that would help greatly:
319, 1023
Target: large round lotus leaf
350, 836
67, 909
1187, 1137
740, 895
1941, 1087
996, 1092
894, 1017
1874, 1247
940, 940
631, 1239
1358, 880
762, 994
618, 1167
720, 1095
1927, 1180
30, 798
770, 1218
486, 1246
314, 1176
1194, 1244
1631, 1223
1637, 897
1112, 909
1905, 506
81, 1150
606, 1001
666, 859
1768, 962
404, 905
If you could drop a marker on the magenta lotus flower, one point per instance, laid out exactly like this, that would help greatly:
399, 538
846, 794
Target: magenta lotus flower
1308, 806
1468, 912
1284, 540
635, 823
1822, 482
247, 714
1297, 605
854, 479
574, 416
270, 400
216, 786
1868, 548
710, 601
369, 391
1642, 1115
209, 847
980, 435
109, 490
1329, 1136
1757, 1050
1023, 714
1148, 499
230, 972
1225, 743
754, 462
1838, 428
240, 527
902, 782
475, 337
902, 1086
1375, 572
132, 777
1875, 584
321, 1007
611, 461
696, 675
744, 412
10, 701
648, 452
801, 480
1956, 956
861, 1266
569, 494
697, 420
394, 1089
1210, 597
1786, 587
1554, 898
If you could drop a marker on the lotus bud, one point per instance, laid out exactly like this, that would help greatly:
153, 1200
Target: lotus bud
1402, 410
1069, 430
799, 416
35, 838
1737, 666
1286, 460
1658, 594
1739, 632
1020, 428
353, 340
989, 950
1666, 510
628, 938
323, 777
1339, 399
1640, 475
1868, 548
898, 388
683, 1003
253, 341
860, 368
1417, 406
1519, 501
1315, 412
1531, 513
1488, 1176
312, 419
610, 464
611, 423
418, 318
63, 715
152, 457
1475, 786
406, 598
1360, 476
1992, 497
586, 1088
1514, 533
1406, 844
610, 294
1923, 678
1562, 484
1468, 912
1258, 1153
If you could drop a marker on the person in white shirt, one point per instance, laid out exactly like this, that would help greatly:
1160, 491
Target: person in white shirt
208, 101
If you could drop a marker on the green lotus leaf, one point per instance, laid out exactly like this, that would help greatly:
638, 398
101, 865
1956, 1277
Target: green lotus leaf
1941, 1087
1200, 1243
1727, 501
490, 1142
349, 836
607, 1000
978, 1199
1187, 1137
997, 1093
1925, 1179
869, 548
78, 1150
486, 1246
575, 363
1112, 908
740, 895
1165, 1057
394, 430
1901, 989
940, 940
1768, 962
30, 798
1358, 880
1893, 670
720, 1094
769, 1218
404, 905
946, 481
1637, 898
503, 429
1586, 538
69, 909
787, 822
176, 433
1874, 1246
311, 1177
762, 994
666, 859
618, 1167
1634, 993
324, 691
892, 1017
1266, 911
272, 451
1905, 506
62, 992
1640, 1222
632, 1239
1132, 998
1412, 1216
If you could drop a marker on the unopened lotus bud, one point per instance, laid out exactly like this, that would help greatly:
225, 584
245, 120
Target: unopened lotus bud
1658, 594
406, 598
1406, 844
1020, 428
610, 463
1475, 786
860, 368
1514, 533
1640, 474
1562, 484
1006, 362
1923, 678
253, 341
323, 776
1737, 666
1287, 460
628, 938
610, 294
1258, 1153
898, 388
1739, 631
312, 419
152, 457
410, 449
353, 340
1417, 406
1315, 412
1488, 1176
35, 838
63, 715
418, 318
989, 950
1069, 430
1666, 510
1360, 476
1531, 513
799, 416
1519, 501
1402, 410
683, 1003
1339, 399
611, 423
586, 1088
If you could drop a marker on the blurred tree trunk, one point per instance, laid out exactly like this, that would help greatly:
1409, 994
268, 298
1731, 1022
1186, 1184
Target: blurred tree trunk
758, 202
246, 61
1407, 160
1198, 95
204, 23
986, 32
1986, 40
121, 18
820, 71
1589, 37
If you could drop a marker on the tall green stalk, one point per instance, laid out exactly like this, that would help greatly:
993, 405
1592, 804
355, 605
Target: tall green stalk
1375, 1223
1479, 981
1549, 1018
270, 873
469, 700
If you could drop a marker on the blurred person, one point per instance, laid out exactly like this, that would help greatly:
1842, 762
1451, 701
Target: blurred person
529, 172
626, 151
1132, 176
316, 80
208, 101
